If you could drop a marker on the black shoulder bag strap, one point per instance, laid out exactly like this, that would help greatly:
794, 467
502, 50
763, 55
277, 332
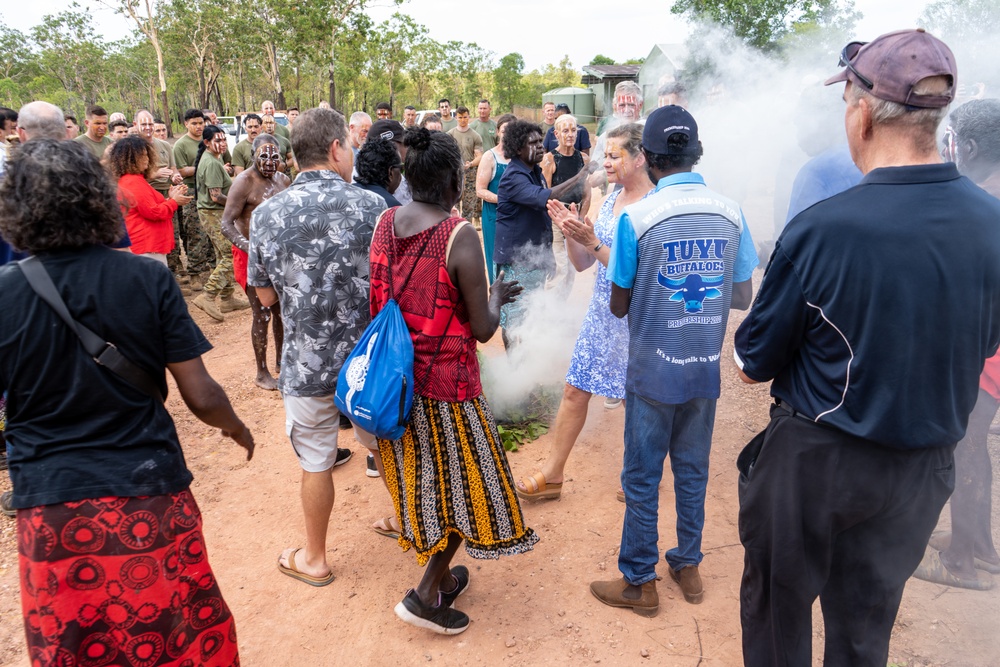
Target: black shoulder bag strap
103, 352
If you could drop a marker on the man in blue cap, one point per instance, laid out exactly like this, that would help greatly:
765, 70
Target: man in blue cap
682, 257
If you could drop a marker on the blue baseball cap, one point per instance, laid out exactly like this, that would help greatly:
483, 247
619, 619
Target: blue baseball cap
666, 121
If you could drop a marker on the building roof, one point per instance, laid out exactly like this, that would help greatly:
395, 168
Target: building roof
568, 90
612, 71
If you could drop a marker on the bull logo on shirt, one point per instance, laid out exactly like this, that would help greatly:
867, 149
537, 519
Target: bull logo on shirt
692, 289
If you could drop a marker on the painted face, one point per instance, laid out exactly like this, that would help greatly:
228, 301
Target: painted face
72, 130
145, 124
627, 107
218, 144
567, 134
267, 108
484, 111
160, 130
212, 118
444, 108
531, 152
383, 114
267, 160
97, 126
195, 127
463, 120
409, 117
617, 162
253, 127
268, 125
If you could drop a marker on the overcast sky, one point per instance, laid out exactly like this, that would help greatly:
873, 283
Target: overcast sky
579, 29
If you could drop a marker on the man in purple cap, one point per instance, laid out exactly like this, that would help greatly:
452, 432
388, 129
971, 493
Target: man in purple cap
876, 313
682, 257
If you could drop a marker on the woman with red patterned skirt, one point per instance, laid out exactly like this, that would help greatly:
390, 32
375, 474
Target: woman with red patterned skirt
112, 558
448, 475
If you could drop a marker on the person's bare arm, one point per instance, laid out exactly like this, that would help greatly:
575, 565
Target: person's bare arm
484, 175
478, 153
217, 196
743, 376
620, 300
235, 203
237, 170
742, 295
208, 401
468, 269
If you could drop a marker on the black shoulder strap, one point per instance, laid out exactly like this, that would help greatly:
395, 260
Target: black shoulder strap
103, 352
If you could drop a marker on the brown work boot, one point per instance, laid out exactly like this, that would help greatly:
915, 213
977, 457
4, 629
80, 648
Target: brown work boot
643, 600
228, 304
690, 582
195, 283
207, 304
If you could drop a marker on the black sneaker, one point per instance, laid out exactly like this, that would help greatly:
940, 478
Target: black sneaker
345, 423
372, 471
343, 456
461, 573
6, 504
441, 619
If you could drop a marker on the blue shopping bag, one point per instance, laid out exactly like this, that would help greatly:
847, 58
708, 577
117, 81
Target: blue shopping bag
375, 385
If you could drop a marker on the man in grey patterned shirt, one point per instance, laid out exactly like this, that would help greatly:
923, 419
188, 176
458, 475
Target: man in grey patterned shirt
309, 252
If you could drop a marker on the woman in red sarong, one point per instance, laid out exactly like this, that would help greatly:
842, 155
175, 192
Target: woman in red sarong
112, 558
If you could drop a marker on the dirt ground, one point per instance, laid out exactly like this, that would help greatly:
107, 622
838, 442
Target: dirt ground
533, 609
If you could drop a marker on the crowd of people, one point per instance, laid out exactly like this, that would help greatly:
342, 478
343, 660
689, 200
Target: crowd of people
884, 383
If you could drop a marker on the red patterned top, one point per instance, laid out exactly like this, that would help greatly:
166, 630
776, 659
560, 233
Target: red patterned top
427, 299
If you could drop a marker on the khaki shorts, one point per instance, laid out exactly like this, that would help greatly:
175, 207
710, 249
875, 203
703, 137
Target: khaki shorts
313, 426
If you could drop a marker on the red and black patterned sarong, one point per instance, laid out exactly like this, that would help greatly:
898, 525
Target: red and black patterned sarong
122, 581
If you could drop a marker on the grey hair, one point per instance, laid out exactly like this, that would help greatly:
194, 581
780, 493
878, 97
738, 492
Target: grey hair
979, 120
565, 118
41, 120
885, 112
264, 139
628, 88
314, 131
358, 117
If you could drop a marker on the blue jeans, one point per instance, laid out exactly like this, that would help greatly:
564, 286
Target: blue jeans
653, 430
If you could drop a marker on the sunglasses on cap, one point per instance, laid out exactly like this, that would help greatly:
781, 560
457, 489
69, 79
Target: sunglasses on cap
849, 53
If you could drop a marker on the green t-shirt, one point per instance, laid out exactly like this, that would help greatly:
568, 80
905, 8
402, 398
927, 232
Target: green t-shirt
185, 153
282, 131
211, 174
447, 125
468, 142
95, 147
243, 155
488, 132
165, 158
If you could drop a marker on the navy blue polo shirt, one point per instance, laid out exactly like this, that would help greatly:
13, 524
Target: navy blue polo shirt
522, 219
880, 306
549, 143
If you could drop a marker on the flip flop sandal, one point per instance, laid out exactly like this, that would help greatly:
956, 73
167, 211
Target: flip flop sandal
536, 488
294, 573
933, 570
620, 495
384, 527
941, 540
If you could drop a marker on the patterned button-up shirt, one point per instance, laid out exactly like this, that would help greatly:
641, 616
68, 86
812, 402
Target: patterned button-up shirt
310, 243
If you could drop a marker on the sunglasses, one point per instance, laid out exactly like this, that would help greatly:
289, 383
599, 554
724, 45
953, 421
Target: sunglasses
849, 53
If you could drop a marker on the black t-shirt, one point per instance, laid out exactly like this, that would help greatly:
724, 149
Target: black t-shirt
880, 305
568, 166
75, 429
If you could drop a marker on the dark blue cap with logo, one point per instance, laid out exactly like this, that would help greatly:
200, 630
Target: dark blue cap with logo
666, 121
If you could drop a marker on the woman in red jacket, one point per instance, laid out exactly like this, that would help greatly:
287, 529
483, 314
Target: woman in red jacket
148, 216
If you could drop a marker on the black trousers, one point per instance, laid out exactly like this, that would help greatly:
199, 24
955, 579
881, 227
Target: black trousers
824, 514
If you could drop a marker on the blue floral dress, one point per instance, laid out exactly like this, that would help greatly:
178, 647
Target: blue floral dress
601, 353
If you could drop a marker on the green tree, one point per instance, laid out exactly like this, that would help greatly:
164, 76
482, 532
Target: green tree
962, 19
70, 58
147, 18
602, 60
508, 83
760, 23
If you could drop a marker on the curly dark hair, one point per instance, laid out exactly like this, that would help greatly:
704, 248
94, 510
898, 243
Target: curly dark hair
674, 161
376, 157
516, 136
56, 195
434, 166
125, 154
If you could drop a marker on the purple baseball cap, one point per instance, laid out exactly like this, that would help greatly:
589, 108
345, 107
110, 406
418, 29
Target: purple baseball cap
665, 121
894, 63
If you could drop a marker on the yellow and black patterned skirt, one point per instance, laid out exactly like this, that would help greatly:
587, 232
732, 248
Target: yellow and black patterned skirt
449, 474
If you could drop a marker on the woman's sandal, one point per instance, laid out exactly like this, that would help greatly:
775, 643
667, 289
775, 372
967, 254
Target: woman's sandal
536, 488
384, 527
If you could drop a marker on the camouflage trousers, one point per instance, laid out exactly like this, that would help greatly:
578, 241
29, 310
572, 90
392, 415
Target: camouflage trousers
471, 203
197, 245
222, 281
